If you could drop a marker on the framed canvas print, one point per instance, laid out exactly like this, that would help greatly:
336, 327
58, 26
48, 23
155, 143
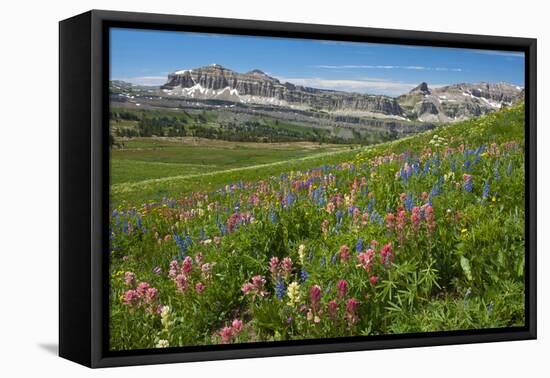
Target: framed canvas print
234, 188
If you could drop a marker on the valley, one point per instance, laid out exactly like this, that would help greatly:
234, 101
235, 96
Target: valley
216, 102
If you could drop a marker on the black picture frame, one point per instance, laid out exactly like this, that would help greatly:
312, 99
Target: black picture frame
84, 178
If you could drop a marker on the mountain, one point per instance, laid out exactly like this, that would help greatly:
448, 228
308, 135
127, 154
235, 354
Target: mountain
217, 84
256, 87
458, 102
422, 89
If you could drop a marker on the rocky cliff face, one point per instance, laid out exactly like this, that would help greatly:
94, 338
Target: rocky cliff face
444, 104
458, 101
217, 82
216, 78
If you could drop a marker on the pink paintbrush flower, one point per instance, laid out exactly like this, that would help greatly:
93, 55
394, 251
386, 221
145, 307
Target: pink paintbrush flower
198, 258
226, 335
315, 295
173, 270
287, 266
365, 219
256, 287
274, 265
181, 282
151, 295
233, 221
401, 222
332, 309
351, 310
416, 218
187, 265
247, 287
129, 278
258, 282
342, 287
142, 288
356, 213
206, 271
344, 253
199, 287
131, 297
386, 255
237, 326
430, 219
366, 259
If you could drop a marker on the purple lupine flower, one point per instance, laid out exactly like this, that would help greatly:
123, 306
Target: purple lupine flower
360, 245
467, 182
280, 288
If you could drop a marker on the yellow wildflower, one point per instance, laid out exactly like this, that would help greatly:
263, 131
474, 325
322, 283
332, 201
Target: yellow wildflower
302, 253
293, 293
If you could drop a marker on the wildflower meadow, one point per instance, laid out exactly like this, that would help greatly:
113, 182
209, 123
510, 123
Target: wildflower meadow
421, 234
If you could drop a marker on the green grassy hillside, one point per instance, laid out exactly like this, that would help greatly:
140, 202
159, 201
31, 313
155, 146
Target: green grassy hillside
421, 234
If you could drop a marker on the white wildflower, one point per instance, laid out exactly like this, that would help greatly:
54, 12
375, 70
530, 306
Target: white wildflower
165, 318
162, 344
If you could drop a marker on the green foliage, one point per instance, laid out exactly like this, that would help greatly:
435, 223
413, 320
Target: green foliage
458, 265
214, 125
149, 169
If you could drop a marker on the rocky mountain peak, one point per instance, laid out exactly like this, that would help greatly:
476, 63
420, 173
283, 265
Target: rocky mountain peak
442, 104
457, 102
220, 83
257, 72
422, 88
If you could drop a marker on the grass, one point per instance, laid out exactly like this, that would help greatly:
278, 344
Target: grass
136, 180
136, 168
427, 232
132, 171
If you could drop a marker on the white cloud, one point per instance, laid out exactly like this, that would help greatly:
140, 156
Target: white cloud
364, 85
513, 54
144, 80
388, 67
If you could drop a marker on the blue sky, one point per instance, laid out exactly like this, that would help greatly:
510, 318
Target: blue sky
147, 57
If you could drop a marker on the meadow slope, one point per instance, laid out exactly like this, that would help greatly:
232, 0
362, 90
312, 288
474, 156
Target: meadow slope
421, 234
